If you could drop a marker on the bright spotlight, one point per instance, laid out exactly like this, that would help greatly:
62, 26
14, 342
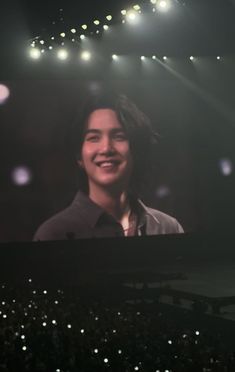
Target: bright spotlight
154, 57
164, 58
82, 37
96, 22
132, 16
35, 53
163, 5
114, 57
105, 27
62, 54
73, 30
109, 17
85, 56
191, 58
84, 27
218, 57
62, 34
142, 58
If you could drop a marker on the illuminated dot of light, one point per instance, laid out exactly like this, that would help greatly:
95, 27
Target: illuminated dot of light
191, 58
62, 54
106, 360
21, 176
226, 166
73, 30
218, 57
165, 58
86, 56
42, 42
69, 326
96, 351
105, 27
154, 57
96, 22
24, 348
82, 331
82, 37
136, 7
123, 12
62, 34
142, 58
35, 53
114, 57
109, 17
84, 27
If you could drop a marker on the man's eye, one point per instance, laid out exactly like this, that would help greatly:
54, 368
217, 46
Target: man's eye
120, 137
92, 138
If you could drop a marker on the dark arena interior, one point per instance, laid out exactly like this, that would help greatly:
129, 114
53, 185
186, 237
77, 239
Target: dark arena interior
148, 302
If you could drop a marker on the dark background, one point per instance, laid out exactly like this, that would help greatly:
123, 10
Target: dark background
191, 104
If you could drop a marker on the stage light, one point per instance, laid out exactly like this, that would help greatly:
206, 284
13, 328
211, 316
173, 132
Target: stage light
21, 176
24, 348
132, 16
42, 50
109, 17
35, 53
123, 12
191, 58
42, 42
164, 58
142, 58
96, 22
86, 56
153, 1
53, 38
4, 93
114, 57
84, 27
96, 351
154, 57
136, 368
50, 47
106, 360
62, 34
136, 7
218, 57
105, 27
62, 54
69, 326
82, 37
73, 30
163, 5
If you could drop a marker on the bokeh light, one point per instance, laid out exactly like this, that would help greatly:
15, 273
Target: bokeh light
21, 176
4, 93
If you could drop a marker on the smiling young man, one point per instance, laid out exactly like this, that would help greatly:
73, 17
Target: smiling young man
114, 143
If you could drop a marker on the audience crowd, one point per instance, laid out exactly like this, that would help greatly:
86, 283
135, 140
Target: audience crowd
59, 330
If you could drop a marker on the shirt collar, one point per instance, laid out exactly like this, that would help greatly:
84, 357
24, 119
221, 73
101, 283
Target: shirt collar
92, 211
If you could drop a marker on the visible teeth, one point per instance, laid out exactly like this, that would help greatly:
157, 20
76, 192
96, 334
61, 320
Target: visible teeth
106, 164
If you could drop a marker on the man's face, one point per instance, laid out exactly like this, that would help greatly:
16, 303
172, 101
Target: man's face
105, 154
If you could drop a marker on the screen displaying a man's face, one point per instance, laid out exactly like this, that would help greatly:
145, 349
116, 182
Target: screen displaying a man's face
193, 176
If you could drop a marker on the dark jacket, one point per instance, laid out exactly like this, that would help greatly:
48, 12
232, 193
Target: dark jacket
85, 219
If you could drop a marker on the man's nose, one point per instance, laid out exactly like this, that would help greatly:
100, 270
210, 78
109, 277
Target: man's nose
106, 145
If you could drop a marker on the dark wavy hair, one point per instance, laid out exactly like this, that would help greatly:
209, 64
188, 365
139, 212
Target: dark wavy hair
137, 126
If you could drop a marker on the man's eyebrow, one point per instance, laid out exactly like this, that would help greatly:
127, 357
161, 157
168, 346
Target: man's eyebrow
113, 130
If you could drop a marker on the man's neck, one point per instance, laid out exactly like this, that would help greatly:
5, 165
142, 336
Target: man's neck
113, 202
